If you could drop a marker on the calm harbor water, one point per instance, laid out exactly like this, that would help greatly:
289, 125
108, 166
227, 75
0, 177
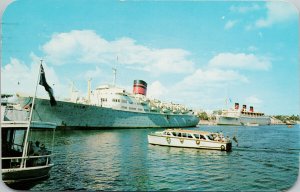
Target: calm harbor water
266, 158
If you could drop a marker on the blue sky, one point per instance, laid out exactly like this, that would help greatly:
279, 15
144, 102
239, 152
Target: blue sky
196, 53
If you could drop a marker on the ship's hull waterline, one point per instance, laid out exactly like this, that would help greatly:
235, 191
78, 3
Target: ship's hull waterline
75, 115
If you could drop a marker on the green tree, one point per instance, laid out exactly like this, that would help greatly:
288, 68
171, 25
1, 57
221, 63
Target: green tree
203, 116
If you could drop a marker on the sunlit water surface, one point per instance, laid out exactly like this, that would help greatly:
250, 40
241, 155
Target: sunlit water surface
266, 158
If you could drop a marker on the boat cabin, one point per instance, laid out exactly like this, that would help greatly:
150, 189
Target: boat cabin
200, 135
26, 153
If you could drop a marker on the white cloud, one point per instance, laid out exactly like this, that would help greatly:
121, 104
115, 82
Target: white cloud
86, 47
245, 9
240, 61
205, 89
230, 24
277, 12
91, 74
253, 100
15, 75
157, 90
19, 77
252, 48
211, 78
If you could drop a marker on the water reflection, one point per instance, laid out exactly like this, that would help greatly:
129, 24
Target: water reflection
123, 160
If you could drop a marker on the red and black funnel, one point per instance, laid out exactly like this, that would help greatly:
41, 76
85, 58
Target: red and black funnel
236, 106
251, 109
139, 87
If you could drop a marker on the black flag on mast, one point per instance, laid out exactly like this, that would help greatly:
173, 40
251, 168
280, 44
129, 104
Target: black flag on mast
44, 83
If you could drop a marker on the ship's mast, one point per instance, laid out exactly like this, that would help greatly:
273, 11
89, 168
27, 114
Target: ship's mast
115, 72
89, 91
115, 75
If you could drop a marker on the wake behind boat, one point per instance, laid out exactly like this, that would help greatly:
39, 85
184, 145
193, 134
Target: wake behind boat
190, 139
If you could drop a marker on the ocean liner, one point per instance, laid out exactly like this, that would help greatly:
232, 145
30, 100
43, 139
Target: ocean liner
242, 117
109, 106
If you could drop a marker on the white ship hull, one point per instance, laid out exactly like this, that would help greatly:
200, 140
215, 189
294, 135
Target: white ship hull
72, 115
243, 120
235, 116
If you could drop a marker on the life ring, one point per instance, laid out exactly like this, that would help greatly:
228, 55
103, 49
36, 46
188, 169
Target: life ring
181, 140
168, 140
222, 148
26, 107
198, 142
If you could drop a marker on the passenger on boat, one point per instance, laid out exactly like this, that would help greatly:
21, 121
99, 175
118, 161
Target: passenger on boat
36, 148
217, 138
202, 137
30, 148
43, 150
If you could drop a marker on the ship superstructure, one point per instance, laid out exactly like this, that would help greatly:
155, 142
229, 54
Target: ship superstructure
109, 106
236, 116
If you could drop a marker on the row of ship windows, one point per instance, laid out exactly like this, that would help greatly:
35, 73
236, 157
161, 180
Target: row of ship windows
123, 107
253, 114
132, 108
114, 100
117, 100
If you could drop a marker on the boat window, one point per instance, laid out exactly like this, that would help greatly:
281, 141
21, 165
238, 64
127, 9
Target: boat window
197, 136
183, 134
8, 137
179, 134
210, 137
174, 133
13, 143
202, 137
104, 99
168, 133
18, 139
190, 136
40, 141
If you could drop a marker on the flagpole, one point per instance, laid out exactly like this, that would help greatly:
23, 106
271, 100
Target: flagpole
29, 120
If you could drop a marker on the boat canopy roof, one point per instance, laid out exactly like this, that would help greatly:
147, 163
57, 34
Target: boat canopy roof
189, 131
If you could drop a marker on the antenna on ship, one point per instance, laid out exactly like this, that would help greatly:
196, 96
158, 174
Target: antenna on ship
115, 73
89, 91
227, 97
